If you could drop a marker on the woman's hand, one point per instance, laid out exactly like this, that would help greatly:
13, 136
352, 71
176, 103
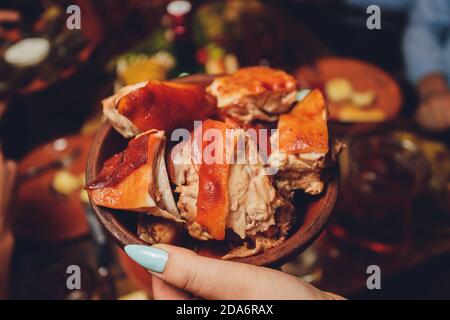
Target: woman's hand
179, 273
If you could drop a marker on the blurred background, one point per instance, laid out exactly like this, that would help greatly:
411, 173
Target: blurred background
389, 100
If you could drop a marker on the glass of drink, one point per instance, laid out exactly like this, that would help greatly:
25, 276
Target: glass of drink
382, 175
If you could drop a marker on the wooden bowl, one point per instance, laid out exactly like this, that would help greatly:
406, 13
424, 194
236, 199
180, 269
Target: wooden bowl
313, 211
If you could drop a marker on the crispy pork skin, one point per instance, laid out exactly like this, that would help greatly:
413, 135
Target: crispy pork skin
136, 179
160, 105
122, 124
254, 93
302, 140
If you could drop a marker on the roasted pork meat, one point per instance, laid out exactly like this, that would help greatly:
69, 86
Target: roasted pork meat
223, 189
155, 230
215, 197
261, 242
254, 93
136, 179
157, 105
302, 140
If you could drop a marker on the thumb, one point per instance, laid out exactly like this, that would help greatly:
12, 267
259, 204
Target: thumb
218, 279
184, 269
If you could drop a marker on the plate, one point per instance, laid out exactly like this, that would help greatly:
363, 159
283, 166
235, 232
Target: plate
363, 77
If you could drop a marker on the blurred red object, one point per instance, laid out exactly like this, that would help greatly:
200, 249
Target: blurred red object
362, 75
140, 277
41, 212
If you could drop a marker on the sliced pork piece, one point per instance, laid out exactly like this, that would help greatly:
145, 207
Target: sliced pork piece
136, 179
253, 199
274, 236
258, 245
122, 124
184, 175
302, 140
160, 105
215, 197
158, 230
298, 172
254, 93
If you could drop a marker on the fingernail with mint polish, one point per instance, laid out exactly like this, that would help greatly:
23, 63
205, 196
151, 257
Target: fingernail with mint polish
150, 258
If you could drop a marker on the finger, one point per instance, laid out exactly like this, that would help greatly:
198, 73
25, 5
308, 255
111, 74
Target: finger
218, 279
164, 291
206, 277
